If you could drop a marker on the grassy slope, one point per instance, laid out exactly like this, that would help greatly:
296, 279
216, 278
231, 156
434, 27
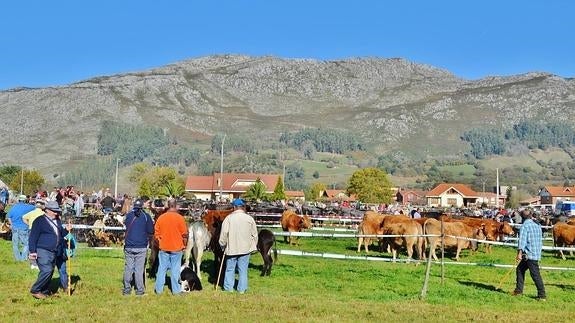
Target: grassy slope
300, 289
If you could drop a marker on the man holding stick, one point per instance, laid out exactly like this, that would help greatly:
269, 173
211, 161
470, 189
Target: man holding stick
528, 254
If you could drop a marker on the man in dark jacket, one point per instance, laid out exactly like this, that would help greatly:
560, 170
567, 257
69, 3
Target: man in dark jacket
139, 230
45, 242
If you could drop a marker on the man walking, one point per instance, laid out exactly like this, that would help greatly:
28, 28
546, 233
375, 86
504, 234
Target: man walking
238, 238
20, 229
139, 230
45, 243
171, 233
528, 254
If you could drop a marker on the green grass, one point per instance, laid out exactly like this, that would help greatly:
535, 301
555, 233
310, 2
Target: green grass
460, 171
551, 155
506, 161
300, 289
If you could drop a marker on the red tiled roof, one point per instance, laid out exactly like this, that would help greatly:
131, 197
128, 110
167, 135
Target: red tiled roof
231, 182
561, 191
463, 189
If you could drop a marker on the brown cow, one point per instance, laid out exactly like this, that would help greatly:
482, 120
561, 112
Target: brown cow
401, 225
458, 229
371, 224
563, 235
571, 222
292, 222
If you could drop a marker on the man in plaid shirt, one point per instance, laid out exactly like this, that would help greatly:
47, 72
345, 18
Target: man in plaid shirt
528, 254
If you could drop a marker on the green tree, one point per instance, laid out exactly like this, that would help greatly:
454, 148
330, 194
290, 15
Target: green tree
370, 185
33, 180
175, 188
7, 173
279, 191
256, 191
313, 194
154, 181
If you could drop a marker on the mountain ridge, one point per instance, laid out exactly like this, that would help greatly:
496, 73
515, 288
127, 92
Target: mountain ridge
395, 105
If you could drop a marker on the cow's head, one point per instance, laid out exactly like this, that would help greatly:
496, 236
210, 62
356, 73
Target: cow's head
489, 231
506, 229
305, 222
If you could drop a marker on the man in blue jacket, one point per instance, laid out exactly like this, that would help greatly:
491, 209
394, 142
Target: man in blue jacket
20, 230
139, 230
46, 241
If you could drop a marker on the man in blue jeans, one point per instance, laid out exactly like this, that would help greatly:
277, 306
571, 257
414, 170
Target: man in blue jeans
20, 231
139, 230
529, 249
239, 237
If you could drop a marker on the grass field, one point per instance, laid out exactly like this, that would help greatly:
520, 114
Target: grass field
306, 289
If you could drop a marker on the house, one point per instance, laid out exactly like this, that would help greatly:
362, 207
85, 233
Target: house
553, 194
490, 199
446, 195
295, 195
411, 197
233, 185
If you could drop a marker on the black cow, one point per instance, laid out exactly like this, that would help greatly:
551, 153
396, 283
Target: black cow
266, 239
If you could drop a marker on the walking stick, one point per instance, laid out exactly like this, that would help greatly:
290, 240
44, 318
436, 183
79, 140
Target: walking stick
506, 276
220, 271
69, 260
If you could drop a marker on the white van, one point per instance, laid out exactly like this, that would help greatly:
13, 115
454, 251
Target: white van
565, 207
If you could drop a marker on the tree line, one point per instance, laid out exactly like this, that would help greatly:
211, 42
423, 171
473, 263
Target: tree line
533, 134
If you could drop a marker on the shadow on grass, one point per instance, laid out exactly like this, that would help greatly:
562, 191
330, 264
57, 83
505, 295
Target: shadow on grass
567, 288
481, 286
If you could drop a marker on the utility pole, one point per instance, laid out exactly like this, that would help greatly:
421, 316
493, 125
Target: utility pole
222, 166
116, 185
497, 189
22, 180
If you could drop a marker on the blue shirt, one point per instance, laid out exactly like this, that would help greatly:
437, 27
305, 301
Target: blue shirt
139, 229
16, 213
531, 239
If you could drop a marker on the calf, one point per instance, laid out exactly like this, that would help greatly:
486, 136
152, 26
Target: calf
371, 224
563, 235
292, 222
457, 229
409, 229
266, 240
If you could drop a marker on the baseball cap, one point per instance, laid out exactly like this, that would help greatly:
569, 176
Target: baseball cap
238, 202
22, 198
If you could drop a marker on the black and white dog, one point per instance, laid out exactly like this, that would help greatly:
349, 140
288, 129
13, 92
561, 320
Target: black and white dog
189, 280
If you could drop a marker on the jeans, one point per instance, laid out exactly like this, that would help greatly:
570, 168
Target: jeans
135, 264
533, 266
20, 244
171, 260
61, 265
241, 262
46, 262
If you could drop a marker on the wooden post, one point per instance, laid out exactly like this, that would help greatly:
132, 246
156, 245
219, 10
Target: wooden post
426, 280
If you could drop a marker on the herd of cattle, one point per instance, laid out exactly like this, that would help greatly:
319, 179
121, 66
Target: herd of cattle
399, 233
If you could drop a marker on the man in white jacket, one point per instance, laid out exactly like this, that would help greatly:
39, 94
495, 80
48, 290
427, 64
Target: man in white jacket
238, 238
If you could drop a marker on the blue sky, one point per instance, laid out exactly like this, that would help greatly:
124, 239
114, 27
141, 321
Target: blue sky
47, 43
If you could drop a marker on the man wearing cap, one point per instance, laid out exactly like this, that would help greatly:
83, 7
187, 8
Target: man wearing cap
238, 238
139, 230
20, 230
45, 243
171, 233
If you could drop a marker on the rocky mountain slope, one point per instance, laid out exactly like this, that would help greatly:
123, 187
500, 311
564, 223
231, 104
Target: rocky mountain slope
394, 104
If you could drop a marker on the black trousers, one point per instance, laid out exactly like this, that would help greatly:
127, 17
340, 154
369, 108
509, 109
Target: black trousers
533, 266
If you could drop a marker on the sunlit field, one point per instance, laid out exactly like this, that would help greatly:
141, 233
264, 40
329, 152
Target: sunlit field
300, 289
